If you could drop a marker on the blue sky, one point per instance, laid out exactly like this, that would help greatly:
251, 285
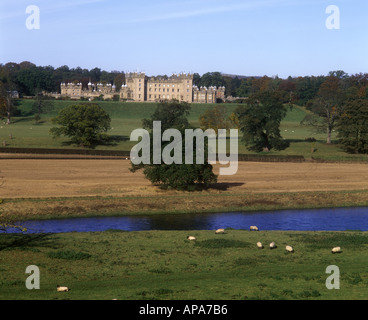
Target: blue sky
246, 37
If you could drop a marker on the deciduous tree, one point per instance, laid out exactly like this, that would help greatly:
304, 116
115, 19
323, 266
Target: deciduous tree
173, 115
260, 119
85, 124
353, 126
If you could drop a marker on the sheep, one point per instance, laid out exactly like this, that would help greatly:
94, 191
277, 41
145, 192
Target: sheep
260, 245
191, 238
220, 231
336, 250
62, 289
289, 249
273, 245
253, 228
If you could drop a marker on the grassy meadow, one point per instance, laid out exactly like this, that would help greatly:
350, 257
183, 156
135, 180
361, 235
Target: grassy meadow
127, 116
165, 265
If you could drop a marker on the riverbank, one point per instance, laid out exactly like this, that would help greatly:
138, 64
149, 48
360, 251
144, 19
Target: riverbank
51, 208
164, 265
44, 188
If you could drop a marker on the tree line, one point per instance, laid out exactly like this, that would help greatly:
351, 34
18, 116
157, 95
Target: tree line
29, 79
336, 101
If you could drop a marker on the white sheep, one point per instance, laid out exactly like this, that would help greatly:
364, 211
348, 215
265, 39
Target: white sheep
191, 238
253, 228
61, 289
289, 249
336, 250
220, 231
273, 245
260, 245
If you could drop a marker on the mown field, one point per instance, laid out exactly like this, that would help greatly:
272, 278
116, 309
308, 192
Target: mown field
128, 116
165, 265
46, 188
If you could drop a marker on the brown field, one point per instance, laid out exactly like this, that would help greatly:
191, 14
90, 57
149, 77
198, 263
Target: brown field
58, 187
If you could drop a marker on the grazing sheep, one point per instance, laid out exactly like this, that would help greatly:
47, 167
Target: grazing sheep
220, 231
61, 289
289, 249
260, 245
191, 238
273, 245
336, 250
253, 228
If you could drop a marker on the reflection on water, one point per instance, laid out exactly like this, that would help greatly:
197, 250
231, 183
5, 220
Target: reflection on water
336, 219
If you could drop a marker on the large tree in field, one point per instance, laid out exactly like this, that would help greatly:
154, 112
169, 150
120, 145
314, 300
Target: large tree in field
327, 106
353, 126
7, 101
214, 118
173, 115
42, 104
259, 121
85, 124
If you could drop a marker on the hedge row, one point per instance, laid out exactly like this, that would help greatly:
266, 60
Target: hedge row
116, 153
88, 152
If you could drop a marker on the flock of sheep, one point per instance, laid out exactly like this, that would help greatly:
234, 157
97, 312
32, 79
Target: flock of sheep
219, 231
272, 244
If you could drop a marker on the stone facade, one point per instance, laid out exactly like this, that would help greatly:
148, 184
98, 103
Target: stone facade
180, 87
75, 91
140, 88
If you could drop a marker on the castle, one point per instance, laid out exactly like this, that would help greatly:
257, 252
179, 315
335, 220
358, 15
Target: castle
140, 88
74, 90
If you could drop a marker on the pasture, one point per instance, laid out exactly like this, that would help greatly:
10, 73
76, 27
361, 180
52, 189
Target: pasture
165, 265
126, 117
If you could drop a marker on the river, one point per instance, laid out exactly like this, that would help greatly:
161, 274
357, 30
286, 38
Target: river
330, 219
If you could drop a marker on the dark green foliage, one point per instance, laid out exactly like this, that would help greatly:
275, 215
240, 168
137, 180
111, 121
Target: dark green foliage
83, 123
190, 177
172, 114
260, 120
353, 126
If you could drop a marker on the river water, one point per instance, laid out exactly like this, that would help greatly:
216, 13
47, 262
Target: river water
331, 219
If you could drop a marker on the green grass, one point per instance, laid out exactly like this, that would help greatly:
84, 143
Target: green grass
128, 116
164, 265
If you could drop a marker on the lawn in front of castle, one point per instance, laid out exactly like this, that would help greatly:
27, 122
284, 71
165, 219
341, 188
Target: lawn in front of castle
25, 132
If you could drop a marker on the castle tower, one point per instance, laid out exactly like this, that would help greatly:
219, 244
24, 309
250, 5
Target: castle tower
186, 87
137, 83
